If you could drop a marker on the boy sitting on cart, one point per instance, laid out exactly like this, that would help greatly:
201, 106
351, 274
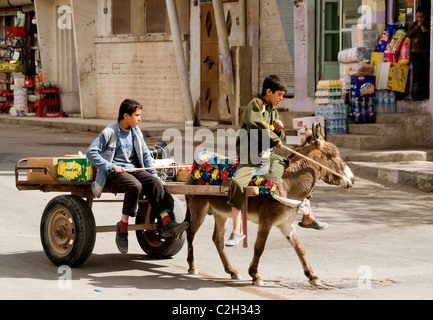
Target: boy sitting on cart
120, 147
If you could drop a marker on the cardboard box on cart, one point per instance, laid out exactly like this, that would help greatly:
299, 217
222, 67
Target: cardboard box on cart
74, 168
41, 175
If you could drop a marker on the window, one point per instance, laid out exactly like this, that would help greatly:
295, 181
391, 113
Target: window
156, 16
121, 17
337, 18
351, 14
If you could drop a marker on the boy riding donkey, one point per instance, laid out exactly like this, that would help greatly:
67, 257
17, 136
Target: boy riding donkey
262, 131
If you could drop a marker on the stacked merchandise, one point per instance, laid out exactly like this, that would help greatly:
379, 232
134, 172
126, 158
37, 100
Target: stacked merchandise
330, 105
391, 62
12, 50
12, 55
6, 94
354, 62
48, 102
20, 107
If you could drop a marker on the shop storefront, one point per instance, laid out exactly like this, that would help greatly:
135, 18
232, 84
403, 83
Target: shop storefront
19, 58
364, 67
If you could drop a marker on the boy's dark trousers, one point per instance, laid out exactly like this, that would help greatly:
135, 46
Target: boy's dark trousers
138, 184
420, 75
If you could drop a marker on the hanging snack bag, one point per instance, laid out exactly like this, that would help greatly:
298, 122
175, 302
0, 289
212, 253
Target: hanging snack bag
397, 40
386, 37
404, 55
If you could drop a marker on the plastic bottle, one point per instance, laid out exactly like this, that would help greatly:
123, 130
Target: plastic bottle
386, 102
379, 107
348, 113
363, 111
392, 102
356, 111
371, 117
352, 107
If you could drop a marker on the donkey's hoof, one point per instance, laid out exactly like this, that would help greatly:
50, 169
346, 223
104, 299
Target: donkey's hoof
236, 277
258, 282
193, 272
316, 282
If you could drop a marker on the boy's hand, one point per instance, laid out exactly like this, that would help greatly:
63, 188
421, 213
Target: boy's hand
278, 125
279, 145
117, 169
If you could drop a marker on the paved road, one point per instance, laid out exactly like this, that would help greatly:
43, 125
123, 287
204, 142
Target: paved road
377, 247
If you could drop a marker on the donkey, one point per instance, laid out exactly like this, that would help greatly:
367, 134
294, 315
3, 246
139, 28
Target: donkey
298, 181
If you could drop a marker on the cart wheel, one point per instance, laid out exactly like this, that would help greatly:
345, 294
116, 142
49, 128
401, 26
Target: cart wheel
68, 231
152, 242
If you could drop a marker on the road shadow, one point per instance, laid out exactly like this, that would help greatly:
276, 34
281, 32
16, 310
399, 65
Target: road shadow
110, 271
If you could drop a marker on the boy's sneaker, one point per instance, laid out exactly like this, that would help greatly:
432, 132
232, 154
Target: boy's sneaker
121, 240
173, 228
234, 240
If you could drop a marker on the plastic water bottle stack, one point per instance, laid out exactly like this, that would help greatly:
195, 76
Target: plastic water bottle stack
386, 102
330, 104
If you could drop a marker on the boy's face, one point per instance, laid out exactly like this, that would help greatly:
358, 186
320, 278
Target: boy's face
133, 119
274, 98
420, 17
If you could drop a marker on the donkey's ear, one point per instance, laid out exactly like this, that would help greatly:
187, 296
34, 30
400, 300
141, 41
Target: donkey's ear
309, 135
317, 132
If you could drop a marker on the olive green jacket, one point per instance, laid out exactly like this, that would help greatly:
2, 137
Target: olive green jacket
257, 127
419, 41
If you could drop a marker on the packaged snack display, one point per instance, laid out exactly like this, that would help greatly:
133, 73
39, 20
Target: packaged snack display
363, 87
404, 54
385, 38
389, 57
396, 42
397, 77
360, 69
358, 54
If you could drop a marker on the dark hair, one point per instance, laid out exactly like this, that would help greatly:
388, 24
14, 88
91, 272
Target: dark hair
128, 106
274, 83
424, 10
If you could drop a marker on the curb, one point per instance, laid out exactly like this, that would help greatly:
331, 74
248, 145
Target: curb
416, 174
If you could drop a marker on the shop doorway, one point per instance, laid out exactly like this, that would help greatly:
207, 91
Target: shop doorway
334, 20
209, 55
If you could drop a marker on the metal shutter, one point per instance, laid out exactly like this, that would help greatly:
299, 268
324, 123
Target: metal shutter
277, 47
156, 16
121, 16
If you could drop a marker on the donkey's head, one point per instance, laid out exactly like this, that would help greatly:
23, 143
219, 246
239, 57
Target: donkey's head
316, 148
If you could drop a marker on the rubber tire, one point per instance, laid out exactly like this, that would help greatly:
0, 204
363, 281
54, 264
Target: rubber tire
84, 230
151, 241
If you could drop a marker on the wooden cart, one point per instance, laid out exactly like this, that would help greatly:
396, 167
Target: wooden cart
68, 229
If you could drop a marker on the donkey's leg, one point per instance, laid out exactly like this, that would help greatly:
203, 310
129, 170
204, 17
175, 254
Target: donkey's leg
197, 208
289, 231
218, 239
259, 247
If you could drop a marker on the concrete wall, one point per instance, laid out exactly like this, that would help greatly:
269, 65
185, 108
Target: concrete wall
84, 20
144, 71
139, 67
